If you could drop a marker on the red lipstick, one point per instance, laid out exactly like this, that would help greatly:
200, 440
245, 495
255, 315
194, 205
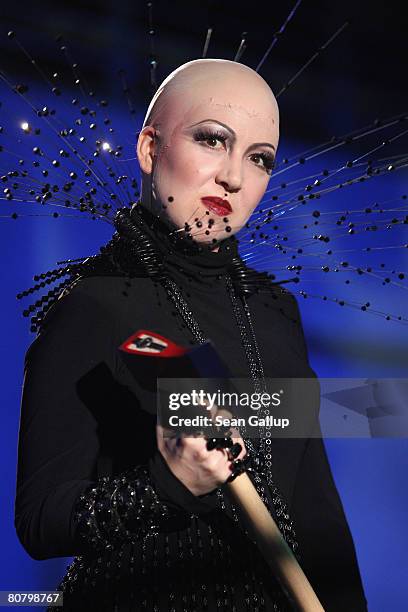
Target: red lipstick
217, 205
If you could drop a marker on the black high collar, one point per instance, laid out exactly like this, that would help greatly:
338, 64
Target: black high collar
184, 259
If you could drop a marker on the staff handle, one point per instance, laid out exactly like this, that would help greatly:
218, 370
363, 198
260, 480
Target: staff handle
273, 547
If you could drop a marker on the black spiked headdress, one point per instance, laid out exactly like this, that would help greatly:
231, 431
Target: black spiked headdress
299, 235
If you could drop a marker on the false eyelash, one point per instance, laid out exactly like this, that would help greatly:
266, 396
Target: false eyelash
267, 158
206, 134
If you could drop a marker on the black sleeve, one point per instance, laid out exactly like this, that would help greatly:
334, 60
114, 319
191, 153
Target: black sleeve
327, 551
61, 508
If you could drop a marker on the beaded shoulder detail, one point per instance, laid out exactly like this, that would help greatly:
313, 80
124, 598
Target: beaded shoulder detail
248, 280
119, 256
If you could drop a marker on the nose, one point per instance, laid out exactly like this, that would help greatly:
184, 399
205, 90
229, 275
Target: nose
229, 174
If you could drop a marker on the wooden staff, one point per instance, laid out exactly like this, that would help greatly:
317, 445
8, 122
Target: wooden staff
260, 523
272, 545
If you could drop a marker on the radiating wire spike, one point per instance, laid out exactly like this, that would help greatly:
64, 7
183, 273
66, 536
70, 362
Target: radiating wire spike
30, 178
294, 195
153, 71
302, 199
46, 297
349, 138
30, 190
56, 132
356, 305
71, 261
53, 215
326, 172
277, 35
47, 300
89, 161
86, 92
298, 246
153, 62
126, 91
312, 59
79, 80
46, 192
207, 42
121, 180
342, 302
241, 48
352, 163
12, 36
48, 278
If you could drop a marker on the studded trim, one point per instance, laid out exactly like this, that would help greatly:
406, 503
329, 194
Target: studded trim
121, 509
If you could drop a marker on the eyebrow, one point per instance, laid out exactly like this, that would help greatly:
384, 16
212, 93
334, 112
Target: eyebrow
256, 144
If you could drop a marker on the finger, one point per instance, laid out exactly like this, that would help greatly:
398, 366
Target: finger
219, 443
219, 463
235, 450
244, 451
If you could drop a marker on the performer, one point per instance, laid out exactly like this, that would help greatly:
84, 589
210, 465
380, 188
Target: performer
148, 519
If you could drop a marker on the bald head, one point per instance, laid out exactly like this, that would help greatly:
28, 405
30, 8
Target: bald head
202, 79
211, 131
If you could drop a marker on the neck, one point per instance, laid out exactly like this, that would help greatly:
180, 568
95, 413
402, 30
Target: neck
183, 258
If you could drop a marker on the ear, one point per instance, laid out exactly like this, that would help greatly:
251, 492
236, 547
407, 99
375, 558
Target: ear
145, 148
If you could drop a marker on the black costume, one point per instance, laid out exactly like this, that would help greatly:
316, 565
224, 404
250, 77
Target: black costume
92, 484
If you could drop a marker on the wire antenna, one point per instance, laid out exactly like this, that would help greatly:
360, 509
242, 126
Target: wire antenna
241, 48
313, 58
277, 35
153, 62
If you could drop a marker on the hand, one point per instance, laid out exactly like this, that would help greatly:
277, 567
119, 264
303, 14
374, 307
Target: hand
199, 469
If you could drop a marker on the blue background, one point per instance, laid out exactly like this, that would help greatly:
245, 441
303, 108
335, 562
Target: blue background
370, 474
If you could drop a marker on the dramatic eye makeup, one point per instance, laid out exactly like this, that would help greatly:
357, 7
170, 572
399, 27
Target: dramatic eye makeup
207, 134
268, 160
210, 136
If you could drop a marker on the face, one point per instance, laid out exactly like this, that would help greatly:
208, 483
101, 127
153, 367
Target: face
214, 157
